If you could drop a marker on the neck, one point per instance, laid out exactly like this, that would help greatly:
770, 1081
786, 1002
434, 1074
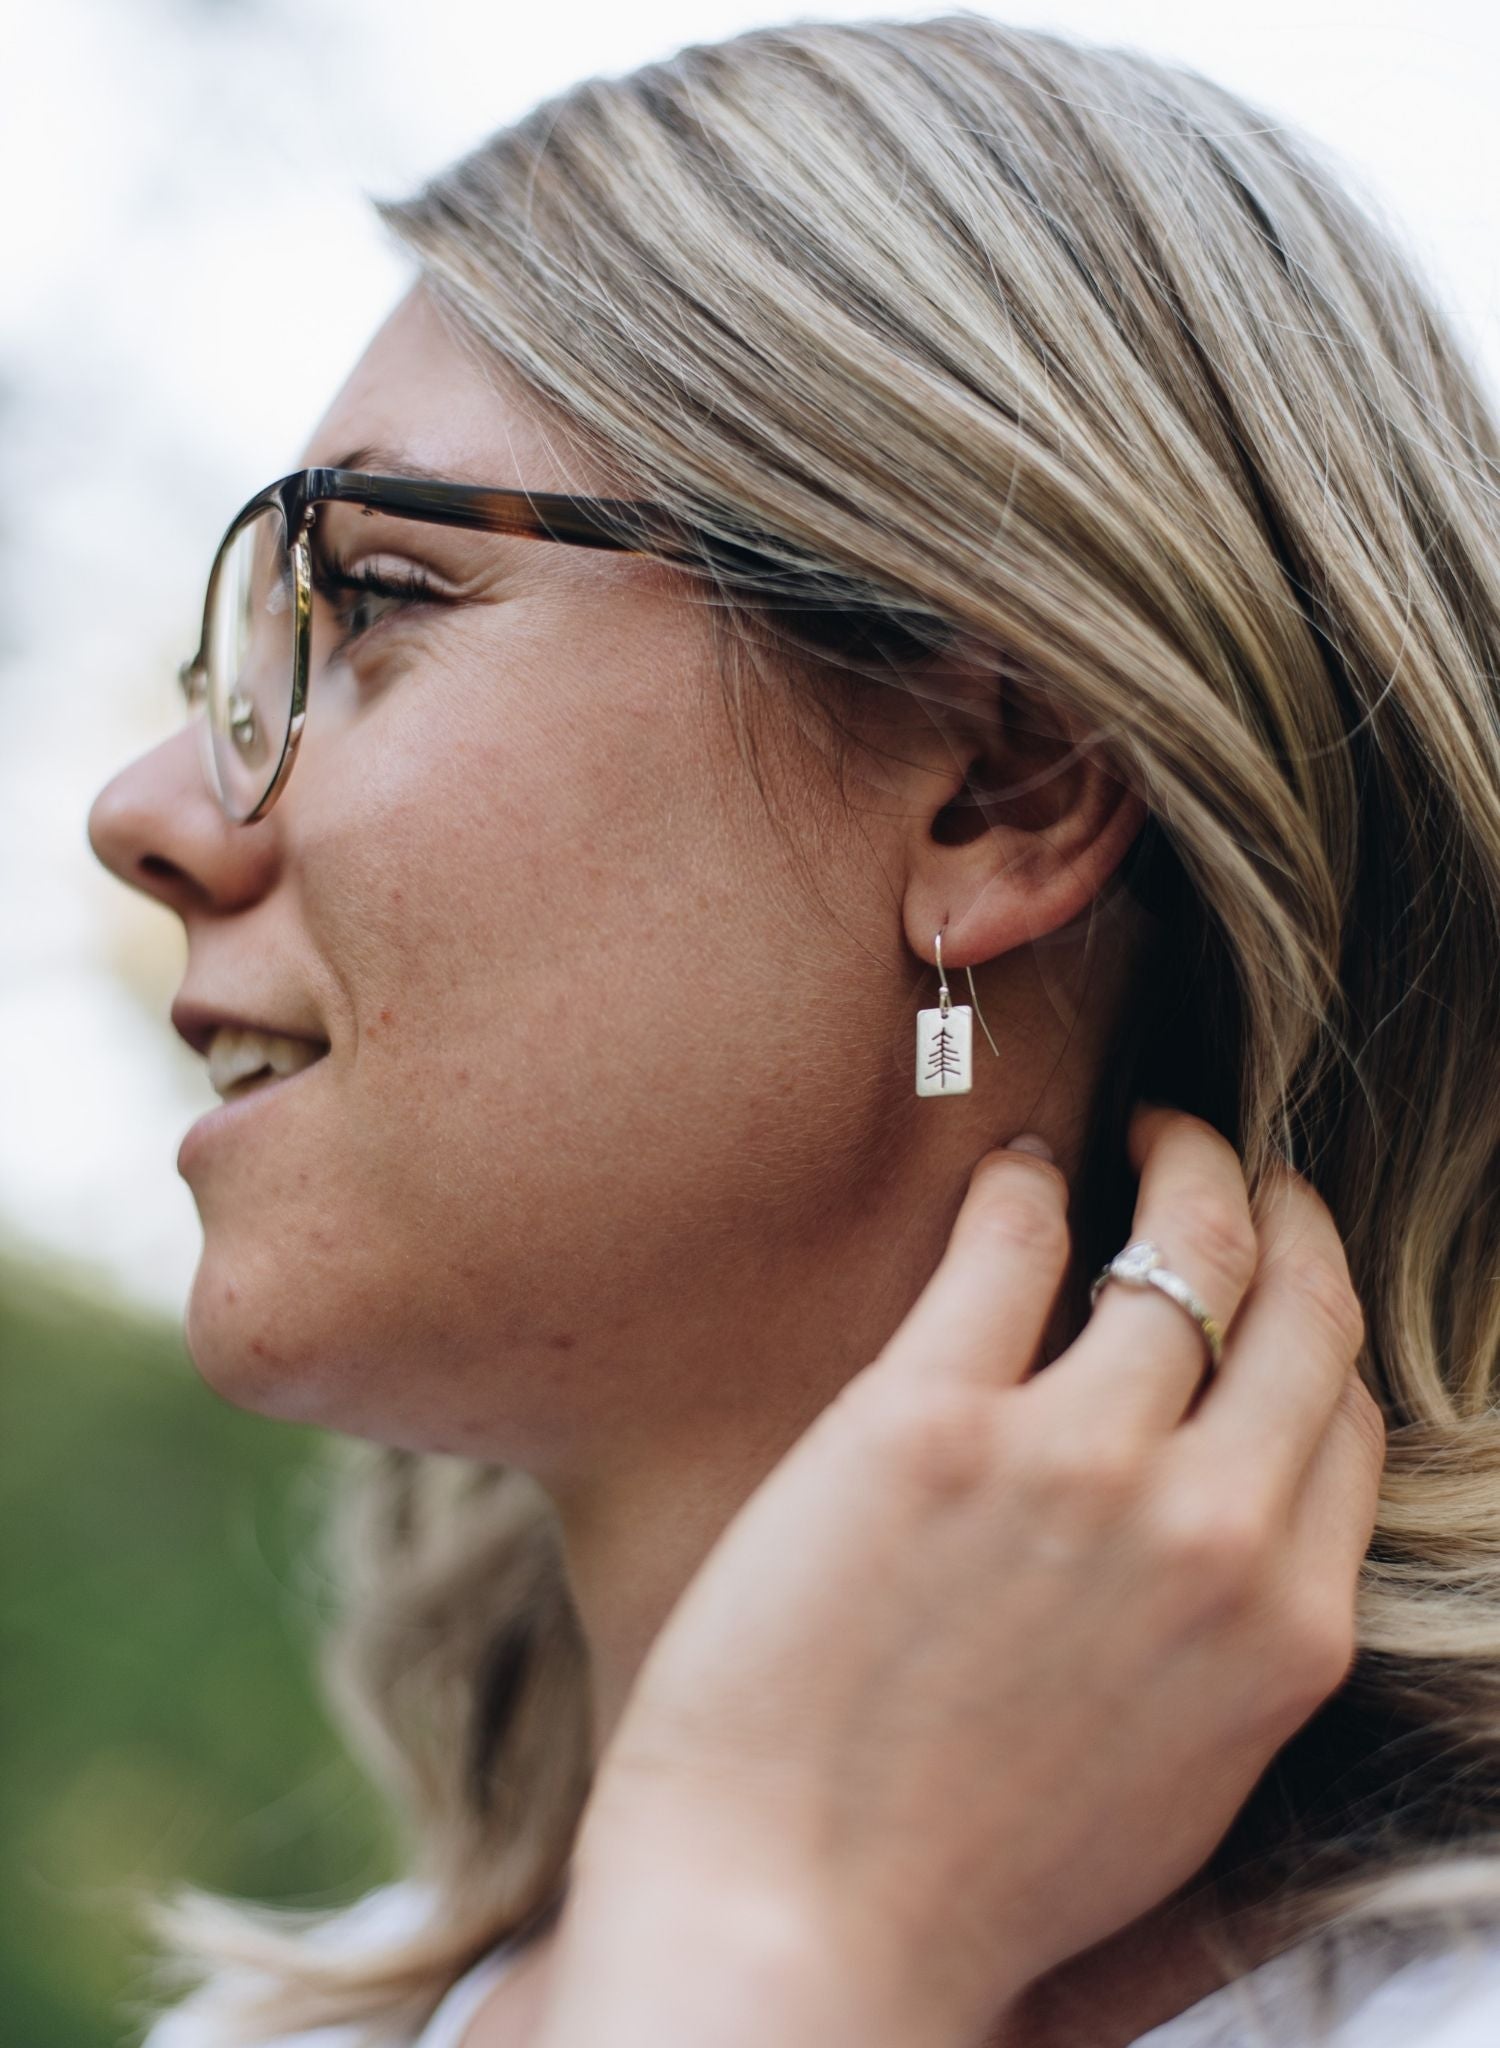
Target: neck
631, 1548
631, 1551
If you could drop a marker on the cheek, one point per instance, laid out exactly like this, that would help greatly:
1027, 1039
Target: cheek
570, 952
511, 870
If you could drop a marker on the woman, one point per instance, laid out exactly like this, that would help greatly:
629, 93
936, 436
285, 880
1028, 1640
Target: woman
1012, 517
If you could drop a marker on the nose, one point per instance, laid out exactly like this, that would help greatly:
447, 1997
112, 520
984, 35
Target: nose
158, 827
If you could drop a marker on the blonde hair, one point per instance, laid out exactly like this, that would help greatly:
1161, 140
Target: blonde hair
969, 328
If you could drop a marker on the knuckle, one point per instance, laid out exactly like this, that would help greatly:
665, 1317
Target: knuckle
1094, 1481
1019, 1211
1324, 1295
1219, 1231
934, 1440
1216, 1548
1315, 1654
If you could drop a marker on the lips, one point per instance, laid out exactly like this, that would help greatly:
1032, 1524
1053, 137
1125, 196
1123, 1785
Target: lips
198, 1022
242, 1107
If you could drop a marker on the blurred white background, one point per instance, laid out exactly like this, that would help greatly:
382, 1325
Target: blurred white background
189, 268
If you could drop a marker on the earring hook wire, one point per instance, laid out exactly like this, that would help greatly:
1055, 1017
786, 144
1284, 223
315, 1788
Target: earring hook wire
945, 1002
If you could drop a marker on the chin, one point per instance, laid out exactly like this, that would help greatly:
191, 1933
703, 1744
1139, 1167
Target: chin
235, 1331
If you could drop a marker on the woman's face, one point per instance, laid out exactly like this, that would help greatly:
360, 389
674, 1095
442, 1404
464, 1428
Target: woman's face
608, 1099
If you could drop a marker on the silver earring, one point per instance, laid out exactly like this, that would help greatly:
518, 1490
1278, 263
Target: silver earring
945, 1039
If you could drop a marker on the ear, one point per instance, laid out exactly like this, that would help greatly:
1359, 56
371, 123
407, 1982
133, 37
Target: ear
1015, 822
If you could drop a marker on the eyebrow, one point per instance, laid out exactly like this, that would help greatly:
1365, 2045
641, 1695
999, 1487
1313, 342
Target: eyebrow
384, 462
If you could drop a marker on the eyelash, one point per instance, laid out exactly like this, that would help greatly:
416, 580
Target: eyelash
408, 588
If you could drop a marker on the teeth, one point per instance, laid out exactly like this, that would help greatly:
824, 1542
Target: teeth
233, 1056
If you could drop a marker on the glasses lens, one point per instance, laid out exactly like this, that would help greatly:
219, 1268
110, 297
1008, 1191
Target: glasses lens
250, 651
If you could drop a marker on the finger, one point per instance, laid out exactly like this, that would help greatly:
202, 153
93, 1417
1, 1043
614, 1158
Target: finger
1141, 1356
1331, 1527
1338, 1497
1297, 1333
982, 1315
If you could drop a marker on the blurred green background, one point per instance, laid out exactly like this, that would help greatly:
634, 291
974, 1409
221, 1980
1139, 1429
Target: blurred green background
160, 1719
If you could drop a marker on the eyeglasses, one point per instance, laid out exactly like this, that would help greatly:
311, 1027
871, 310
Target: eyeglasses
250, 673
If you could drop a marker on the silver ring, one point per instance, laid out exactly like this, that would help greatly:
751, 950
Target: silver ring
1141, 1264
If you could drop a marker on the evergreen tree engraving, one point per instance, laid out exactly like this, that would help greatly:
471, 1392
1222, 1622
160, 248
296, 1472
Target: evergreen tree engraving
942, 1057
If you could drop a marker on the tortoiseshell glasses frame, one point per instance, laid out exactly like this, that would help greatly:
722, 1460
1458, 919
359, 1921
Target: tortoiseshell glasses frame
633, 526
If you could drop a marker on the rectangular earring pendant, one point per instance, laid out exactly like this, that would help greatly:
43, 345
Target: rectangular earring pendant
944, 1063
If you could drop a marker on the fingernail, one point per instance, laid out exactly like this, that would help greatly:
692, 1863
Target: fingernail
1030, 1141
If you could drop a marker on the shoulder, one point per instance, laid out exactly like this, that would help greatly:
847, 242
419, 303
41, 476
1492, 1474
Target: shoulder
1376, 1989
199, 2020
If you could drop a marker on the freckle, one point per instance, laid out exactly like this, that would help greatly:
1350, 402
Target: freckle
385, 1016
564, 1341
369, 1031
462, 1077
302, 1178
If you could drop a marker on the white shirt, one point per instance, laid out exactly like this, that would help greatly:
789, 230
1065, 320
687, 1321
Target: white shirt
1387, 1992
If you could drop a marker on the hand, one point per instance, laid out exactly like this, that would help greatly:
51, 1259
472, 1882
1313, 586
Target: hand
986, 1666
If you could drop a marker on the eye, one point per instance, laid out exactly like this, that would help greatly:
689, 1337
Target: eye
349, 595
